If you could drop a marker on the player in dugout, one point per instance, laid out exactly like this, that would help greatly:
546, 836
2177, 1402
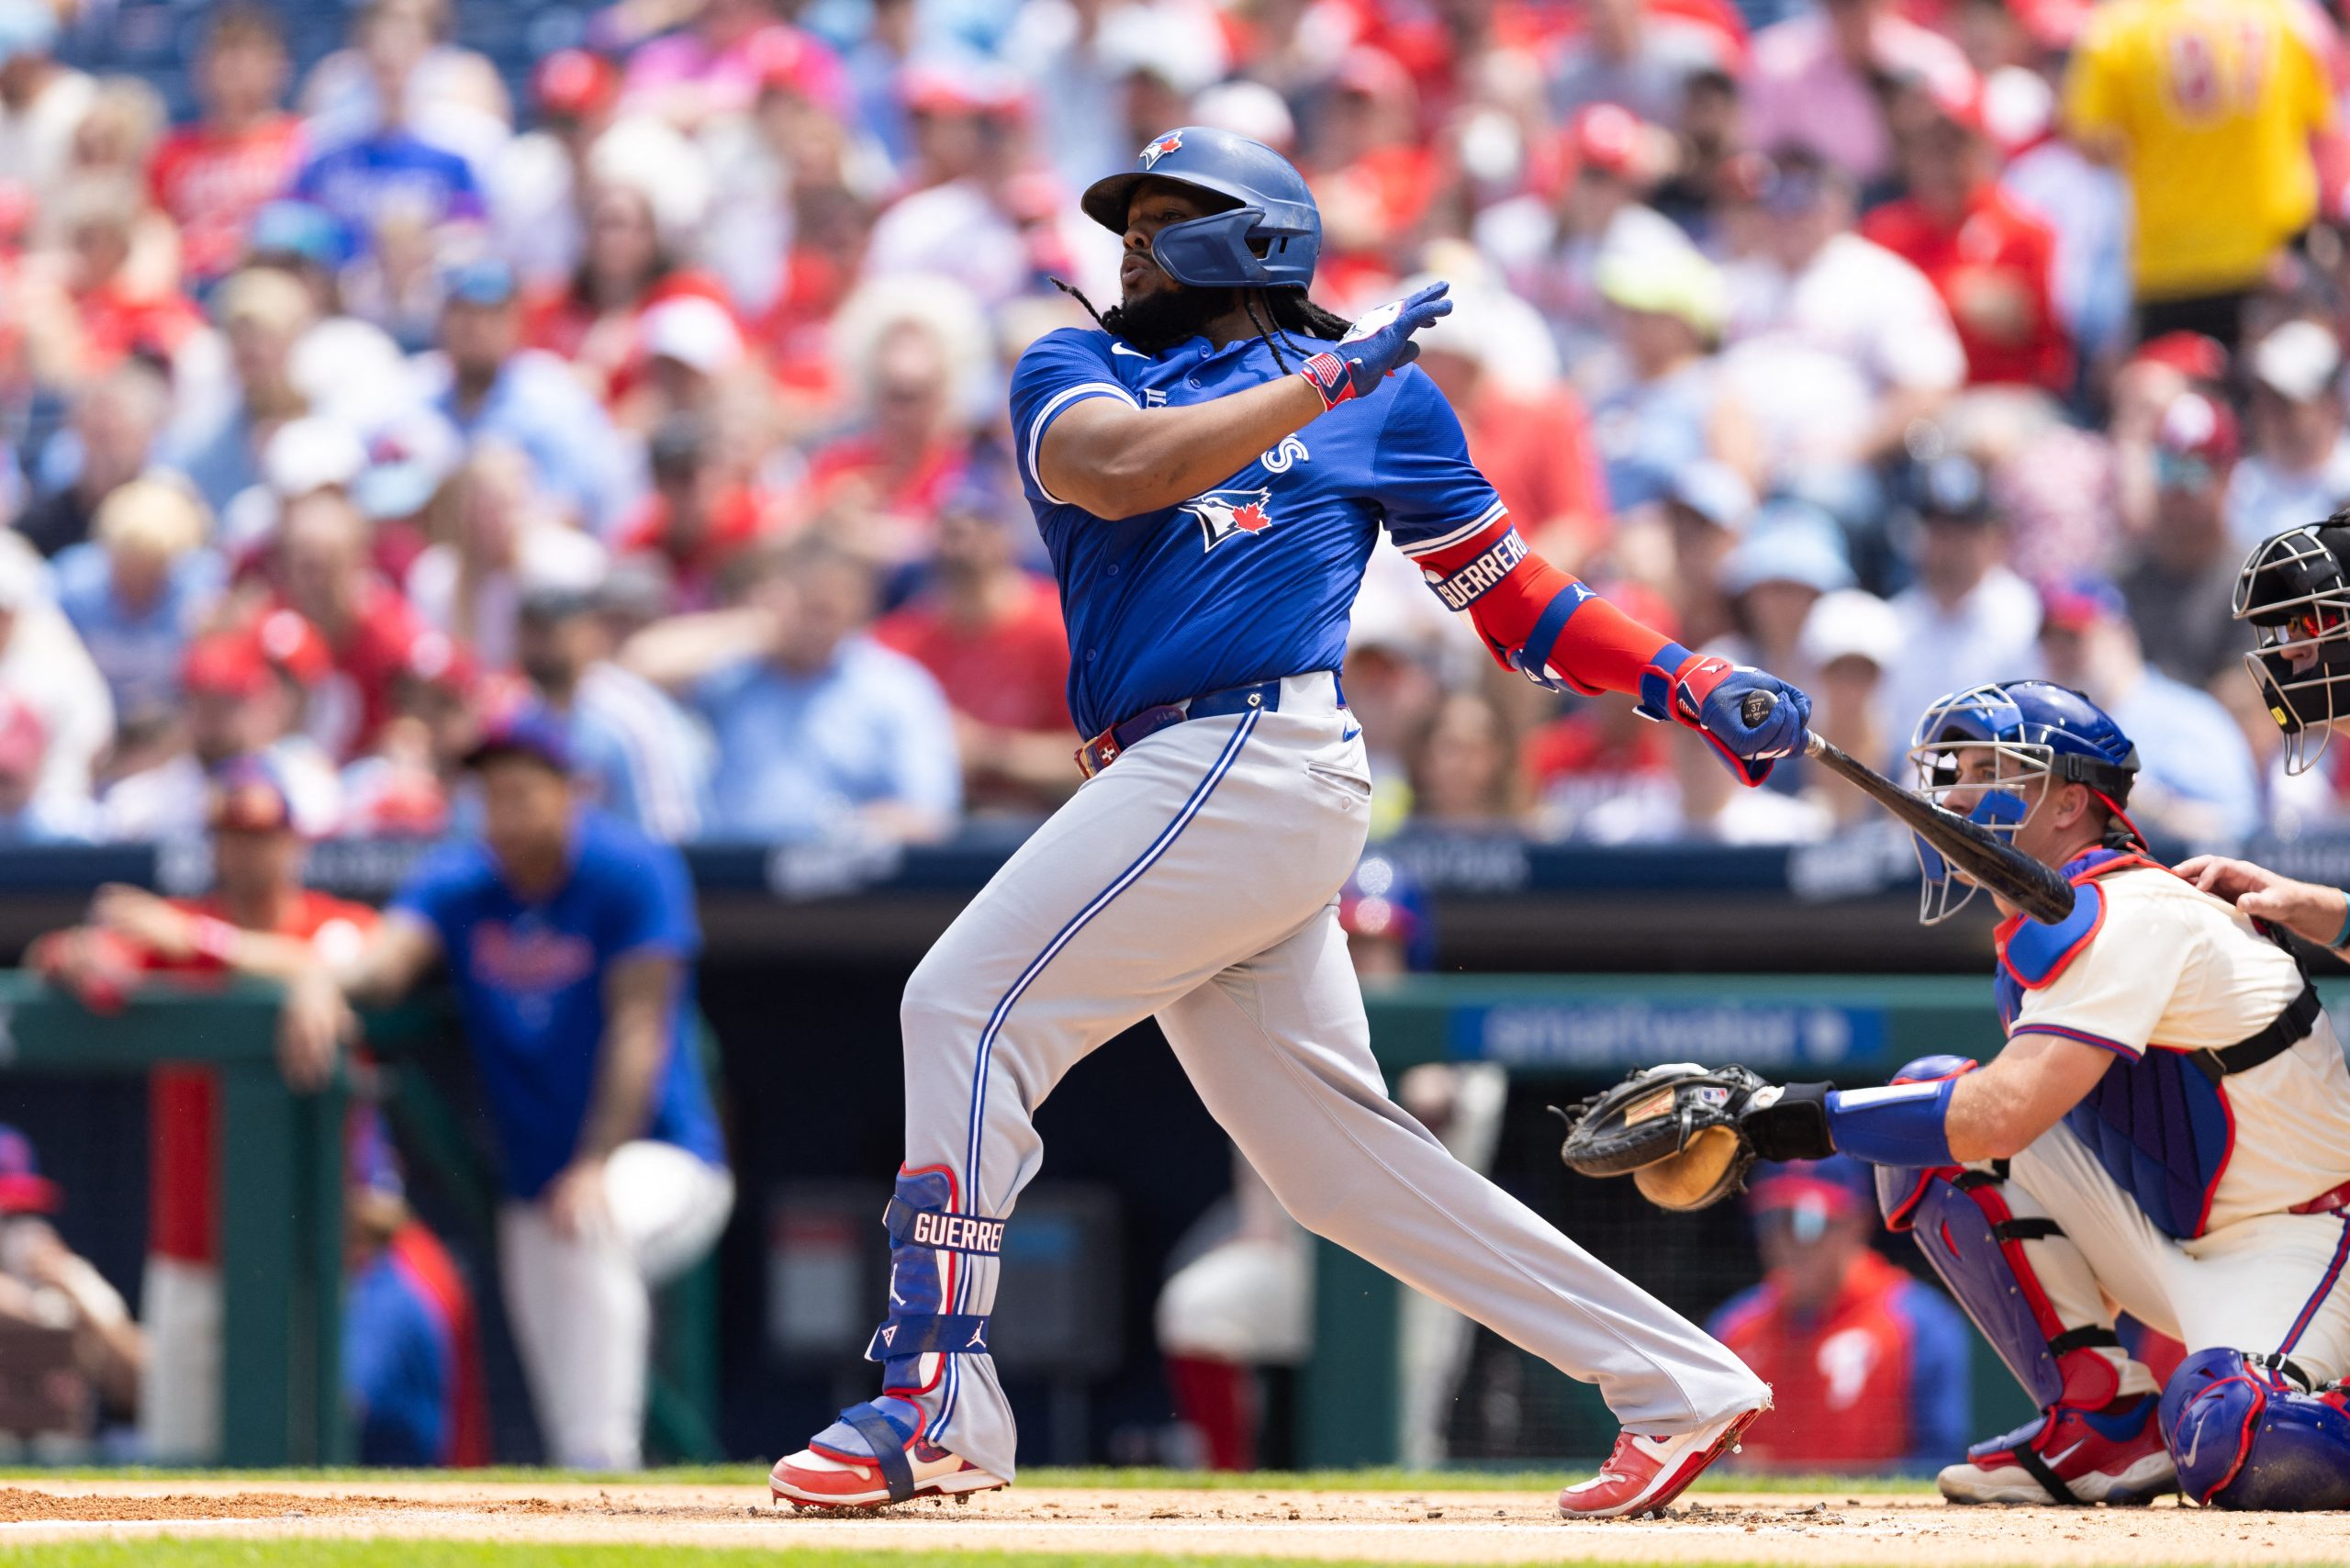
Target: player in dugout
259, 919
570, 938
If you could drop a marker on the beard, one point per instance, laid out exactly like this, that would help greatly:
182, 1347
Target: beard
1159, 319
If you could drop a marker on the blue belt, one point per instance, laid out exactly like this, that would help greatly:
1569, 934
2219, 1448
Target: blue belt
1113, 742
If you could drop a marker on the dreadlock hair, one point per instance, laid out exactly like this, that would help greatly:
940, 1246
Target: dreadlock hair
1287, 310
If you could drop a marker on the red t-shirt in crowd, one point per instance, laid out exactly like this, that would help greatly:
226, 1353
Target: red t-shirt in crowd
355, 699
565, 326
1014, 675
211, 182
116, 320
736, 521
856, 461
183, 1103
1996, 273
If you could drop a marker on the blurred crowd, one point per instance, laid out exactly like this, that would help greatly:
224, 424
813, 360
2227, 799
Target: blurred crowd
656, 381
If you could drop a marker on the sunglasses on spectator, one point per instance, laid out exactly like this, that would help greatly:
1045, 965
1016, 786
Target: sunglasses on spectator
2176, 473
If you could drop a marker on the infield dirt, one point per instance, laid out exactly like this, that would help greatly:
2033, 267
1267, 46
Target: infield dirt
1435, 1526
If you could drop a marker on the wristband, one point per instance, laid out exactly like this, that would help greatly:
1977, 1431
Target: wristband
1906, 1123
212, 937
2342, 938
1330, 379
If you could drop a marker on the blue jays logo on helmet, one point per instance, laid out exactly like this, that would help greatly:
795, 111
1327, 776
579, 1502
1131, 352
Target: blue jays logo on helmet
1223, 514
1993, 750
1265, 231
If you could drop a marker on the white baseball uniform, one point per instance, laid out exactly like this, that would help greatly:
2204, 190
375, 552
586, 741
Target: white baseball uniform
2207, 1249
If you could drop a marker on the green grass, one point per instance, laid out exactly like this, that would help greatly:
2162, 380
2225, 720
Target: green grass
754, 1478
168, 1552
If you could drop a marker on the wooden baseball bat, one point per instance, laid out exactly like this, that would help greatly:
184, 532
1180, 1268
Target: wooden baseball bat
1989, 860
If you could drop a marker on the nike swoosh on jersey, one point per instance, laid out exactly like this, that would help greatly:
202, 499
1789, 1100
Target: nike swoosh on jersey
1352, 731
1120, 348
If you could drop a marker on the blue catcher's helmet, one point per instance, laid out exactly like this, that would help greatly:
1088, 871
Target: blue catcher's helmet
1382, 900
2036, 732
1269, 234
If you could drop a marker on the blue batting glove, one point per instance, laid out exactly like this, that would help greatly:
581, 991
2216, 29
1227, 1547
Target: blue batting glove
1709, 695
1376, 346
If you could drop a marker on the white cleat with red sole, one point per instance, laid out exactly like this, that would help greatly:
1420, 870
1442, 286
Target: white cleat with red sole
1643, 1474
811, 1479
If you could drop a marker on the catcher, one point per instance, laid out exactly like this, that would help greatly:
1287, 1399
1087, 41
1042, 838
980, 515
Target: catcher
2166, 1133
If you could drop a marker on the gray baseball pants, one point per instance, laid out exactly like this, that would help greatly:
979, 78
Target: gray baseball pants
1195, 880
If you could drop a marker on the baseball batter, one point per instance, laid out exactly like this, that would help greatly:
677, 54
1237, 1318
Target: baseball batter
2165, 1133
1211, 470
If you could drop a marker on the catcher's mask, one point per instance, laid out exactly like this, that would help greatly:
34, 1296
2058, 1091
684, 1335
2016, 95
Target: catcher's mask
2294, 591
1989, 754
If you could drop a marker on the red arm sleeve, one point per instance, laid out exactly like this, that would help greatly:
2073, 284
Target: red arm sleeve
1545, 623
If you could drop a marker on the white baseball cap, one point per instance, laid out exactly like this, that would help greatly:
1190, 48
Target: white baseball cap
695, 331
312, 453
2298, 361
1716, 492
1851, 624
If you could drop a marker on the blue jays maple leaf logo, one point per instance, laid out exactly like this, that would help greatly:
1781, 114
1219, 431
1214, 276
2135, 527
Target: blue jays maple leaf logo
1161, 148
1224, 513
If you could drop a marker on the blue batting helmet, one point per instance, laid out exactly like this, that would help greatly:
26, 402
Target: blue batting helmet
1269, 234
2035, 730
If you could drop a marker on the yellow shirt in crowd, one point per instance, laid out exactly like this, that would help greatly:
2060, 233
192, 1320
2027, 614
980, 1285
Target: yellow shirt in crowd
2212, 105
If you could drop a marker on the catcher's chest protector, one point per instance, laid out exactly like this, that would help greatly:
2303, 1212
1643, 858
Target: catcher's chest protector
2158, 1123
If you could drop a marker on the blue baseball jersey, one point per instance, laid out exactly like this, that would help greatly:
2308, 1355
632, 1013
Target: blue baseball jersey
1252, 578
398, 1367
530, 983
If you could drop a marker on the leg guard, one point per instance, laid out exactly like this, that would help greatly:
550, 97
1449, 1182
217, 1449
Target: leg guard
1975, 1243
2248, 1433
928, 1241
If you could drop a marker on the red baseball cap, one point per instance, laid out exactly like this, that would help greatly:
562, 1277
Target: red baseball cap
238, 662
23, 1189
227, 663
1957, 96
2191, 355
1840, 1184
785, 60
2080, 601
574, 83
2199, 427
1605, 137
2054, 25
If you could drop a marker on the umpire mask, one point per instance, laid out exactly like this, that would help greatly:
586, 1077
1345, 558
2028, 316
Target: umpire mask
2294, 593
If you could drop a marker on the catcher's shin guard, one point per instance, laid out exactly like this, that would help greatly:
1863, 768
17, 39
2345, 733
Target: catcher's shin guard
2248, 1432
1983, 1251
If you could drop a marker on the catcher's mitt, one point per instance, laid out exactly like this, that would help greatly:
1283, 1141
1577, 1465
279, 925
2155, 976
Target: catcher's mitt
1674, 1128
